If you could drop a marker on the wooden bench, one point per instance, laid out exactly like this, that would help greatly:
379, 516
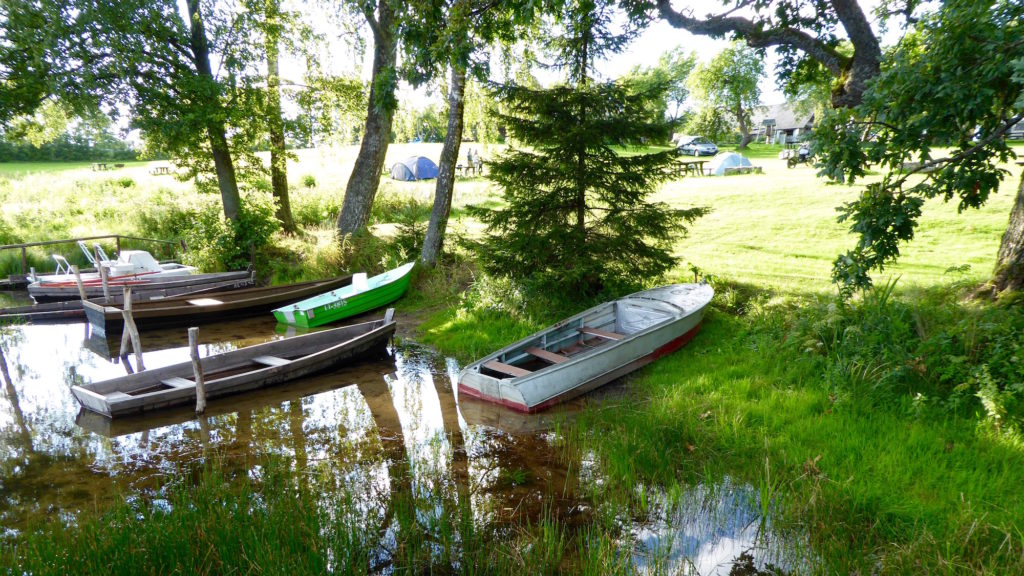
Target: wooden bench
601, 333
507, 369
271, 360
551, 357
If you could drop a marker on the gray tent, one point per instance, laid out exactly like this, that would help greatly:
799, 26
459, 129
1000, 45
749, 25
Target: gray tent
719, 163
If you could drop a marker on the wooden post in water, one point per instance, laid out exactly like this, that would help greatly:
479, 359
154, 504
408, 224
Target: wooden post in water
131, 329
197, 369
78, 280
104, 278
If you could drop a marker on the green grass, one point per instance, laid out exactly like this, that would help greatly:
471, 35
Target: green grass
881, 469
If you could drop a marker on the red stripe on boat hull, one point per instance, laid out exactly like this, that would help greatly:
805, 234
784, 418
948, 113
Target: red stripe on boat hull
663, 350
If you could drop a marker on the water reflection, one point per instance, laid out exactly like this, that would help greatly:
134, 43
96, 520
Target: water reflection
390, 430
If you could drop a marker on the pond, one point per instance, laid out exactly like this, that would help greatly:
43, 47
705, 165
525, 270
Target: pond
387, 422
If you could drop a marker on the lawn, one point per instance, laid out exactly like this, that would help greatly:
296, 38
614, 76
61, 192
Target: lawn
860, 423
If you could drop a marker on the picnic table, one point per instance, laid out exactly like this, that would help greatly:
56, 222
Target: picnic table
99, 166
690, 167
158, 170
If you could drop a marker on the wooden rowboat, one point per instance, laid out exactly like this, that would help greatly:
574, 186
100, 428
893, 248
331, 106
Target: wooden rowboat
589, 349
208, 307
53, 291
361, 296
74, 311
237, 371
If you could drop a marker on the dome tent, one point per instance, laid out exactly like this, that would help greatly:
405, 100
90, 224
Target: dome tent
719, 163
414, 168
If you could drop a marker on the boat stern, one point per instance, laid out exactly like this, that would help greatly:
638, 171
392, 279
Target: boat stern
500, 391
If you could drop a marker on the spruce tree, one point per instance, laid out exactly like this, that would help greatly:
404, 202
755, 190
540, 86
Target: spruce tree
576, 212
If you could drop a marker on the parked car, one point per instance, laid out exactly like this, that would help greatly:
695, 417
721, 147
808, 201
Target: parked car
697, 146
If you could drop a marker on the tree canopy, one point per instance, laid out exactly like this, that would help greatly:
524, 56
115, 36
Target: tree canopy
729, 83
933, 132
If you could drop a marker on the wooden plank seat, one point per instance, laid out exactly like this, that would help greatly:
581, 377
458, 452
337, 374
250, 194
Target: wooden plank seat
601, 333
178, 382
551, 357
271, 360
507, 369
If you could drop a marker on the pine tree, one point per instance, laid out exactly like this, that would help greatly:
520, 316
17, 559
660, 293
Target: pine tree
576, 212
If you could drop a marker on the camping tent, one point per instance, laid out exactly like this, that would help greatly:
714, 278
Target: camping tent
414, 168
719, 163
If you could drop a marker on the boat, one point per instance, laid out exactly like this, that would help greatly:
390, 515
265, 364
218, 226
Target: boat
361, 296
589, 349
237, 371
370, 368
208, 307
129, 264
74, 311
55, 291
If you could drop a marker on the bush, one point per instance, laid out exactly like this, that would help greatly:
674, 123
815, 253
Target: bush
213, 242
928, 353
125, 182
309, 181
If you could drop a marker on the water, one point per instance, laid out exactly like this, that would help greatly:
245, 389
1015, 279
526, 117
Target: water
366, 429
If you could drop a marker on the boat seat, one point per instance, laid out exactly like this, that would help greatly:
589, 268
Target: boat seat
551, 357
271, 360
508, 369
116, 396
601, 333
178, 382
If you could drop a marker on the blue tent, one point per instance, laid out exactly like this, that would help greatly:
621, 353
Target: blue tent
414, 168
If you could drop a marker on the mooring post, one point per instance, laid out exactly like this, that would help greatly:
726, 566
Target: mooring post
78, 280
197, 369
124, 330
133, 331
32, 273
104, 278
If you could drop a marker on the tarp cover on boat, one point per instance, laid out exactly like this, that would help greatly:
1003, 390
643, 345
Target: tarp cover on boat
719, 163
414, 168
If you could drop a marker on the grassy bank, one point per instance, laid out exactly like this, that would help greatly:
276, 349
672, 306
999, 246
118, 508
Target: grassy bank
885, 434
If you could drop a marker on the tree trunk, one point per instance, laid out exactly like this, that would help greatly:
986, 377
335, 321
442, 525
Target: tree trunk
278, 160
434, 240
744, 123
1009, 273
214, 126
365, 178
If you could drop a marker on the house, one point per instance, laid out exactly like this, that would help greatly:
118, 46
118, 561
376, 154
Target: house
780, 124
1016, 131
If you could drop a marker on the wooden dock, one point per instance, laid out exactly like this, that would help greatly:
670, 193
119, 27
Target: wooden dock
18, 281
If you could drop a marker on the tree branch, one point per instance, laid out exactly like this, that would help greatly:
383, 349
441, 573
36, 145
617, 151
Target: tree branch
756, 37
1009, 123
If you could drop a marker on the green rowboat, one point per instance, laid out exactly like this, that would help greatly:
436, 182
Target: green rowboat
362, 295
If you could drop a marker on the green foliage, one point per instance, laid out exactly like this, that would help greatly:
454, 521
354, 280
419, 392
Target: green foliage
673, 71
944, 356
576, 213
309, 181
215, 243
427, 124
922, 102
729, 83
710, 123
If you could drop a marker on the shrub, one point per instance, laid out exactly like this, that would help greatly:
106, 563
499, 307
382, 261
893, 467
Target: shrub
125, 182
931, 351
309, 181
213, 242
